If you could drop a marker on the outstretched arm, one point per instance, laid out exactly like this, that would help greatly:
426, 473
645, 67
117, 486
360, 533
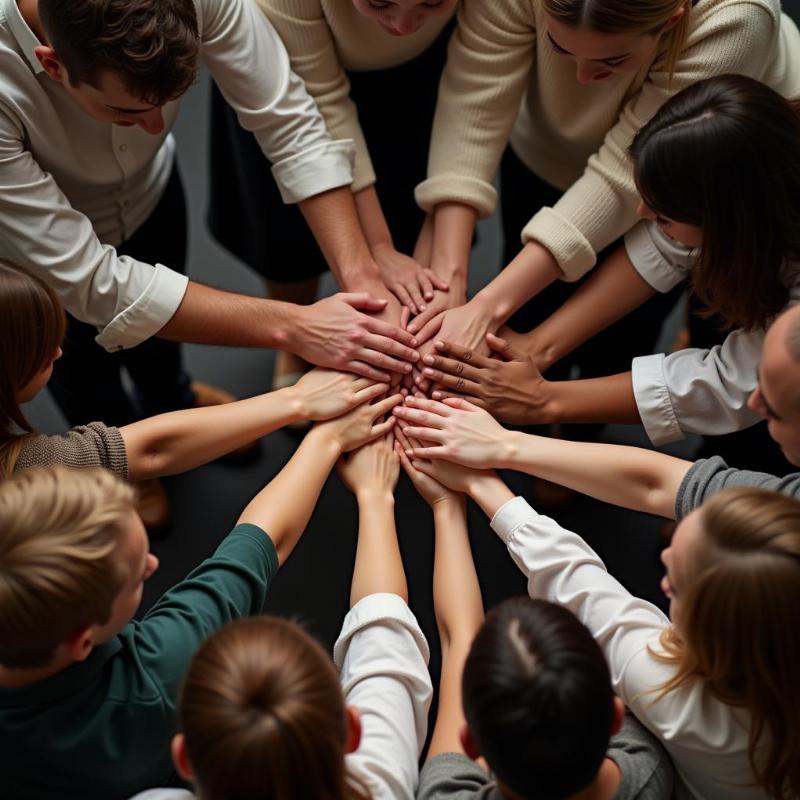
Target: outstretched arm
181, 440
632, 477
283, 507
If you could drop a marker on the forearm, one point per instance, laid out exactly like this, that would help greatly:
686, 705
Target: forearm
453, 228
533, 269
378, 566
606, 400
373, 222
489, 492
614, 290
632, 477
334, 221
284, 506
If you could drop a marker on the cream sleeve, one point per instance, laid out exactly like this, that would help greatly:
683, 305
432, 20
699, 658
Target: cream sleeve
601, 205
489, 58
307, 36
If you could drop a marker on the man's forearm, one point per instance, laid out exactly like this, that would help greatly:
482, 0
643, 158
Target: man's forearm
607, 400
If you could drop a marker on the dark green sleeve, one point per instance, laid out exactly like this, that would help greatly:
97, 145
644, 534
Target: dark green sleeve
230, 585
711, 475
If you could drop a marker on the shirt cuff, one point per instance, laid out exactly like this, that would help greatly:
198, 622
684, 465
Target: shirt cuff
451, 188
320, 168
648, 260
148, 314
653, 400
374, 608
570, 248
510, 516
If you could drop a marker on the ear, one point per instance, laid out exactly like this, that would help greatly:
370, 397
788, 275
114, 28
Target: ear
353, 729
80, 645
674, 19
180, 758
619, 716
50, 62
467, 742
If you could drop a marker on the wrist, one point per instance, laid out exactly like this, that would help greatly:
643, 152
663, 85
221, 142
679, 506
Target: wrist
362, 274
295, 403
324, 437
375, 496
484, 306
511, 447
449, 505
490, 493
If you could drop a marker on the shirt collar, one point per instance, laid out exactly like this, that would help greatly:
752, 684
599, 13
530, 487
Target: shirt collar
26, 38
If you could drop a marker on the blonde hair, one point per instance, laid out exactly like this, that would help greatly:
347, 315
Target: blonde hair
739, 631
628, 16
32, 327
262, 702
59, 530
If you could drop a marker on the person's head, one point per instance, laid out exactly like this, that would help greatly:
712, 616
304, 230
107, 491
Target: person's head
538, 701
733, 579
718, 168
121, 60
73, 558
32, 326
777, 395
403, 17
261, 710
606, 37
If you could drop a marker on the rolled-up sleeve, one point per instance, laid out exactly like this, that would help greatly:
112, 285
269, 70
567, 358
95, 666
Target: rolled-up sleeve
251, 67
127, 300
383, 655
662, 262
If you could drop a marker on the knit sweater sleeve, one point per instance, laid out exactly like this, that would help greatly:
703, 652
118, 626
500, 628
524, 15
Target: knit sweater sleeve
489, 58
92, 445
305, 32
601, 205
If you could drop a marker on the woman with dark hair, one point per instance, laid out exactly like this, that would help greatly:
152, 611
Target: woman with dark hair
718, 169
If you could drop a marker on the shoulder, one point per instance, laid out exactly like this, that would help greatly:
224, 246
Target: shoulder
454, 776
646, 770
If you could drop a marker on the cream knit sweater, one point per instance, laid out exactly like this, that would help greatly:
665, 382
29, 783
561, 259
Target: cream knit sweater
326, 37
502, 69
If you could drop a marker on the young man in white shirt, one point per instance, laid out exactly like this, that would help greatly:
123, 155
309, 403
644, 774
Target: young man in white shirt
89, 90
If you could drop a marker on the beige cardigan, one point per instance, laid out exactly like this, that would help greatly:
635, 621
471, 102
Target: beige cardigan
326, 37
503, 72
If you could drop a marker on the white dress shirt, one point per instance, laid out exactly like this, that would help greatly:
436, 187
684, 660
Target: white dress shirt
693, 390
383, 657
72, 188
706, 738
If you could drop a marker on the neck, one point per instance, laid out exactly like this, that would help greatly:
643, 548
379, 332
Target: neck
29, 9
603, 787
13, 678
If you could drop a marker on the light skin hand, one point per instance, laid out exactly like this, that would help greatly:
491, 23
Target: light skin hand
323, 393
335, 333
371, 470
412, 284
432, 491
361, 425
454, 430
511, 389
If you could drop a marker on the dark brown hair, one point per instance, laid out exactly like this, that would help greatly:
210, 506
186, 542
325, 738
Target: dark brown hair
32, 326
724, 155
151, 45
263, 714
739, 630
537, 697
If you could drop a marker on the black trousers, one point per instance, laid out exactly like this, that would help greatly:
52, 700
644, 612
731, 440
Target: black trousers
246, 214
87, 380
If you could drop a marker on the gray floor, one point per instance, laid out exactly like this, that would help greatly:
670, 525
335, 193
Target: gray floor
314, 584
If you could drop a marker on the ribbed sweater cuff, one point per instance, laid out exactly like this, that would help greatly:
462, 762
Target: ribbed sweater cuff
571, 249
453, 188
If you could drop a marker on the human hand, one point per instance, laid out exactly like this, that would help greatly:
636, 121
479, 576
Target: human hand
371, 469
323, 393
335, 333
432, 490
412, 284
511, 390
361, 425
454, 430
528, 345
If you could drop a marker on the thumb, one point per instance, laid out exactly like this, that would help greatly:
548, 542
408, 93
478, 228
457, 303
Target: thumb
502, 347
363, 300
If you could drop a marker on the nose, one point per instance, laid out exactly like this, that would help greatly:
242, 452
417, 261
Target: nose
151, 121
406, 23
587, 71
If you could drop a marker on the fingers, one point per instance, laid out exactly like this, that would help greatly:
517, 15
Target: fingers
444, 396
501, 346
428, 329
369, 393
405, 462
382, 328
381, 429
366, 371
425, 285
417, 417
383, 361
437, 282
385, 405
363, 301
388, 346
440, 409
413, 289
403, 295
401, 438
451, 382
463, 354
405, 316
462, 404
459, 369
425, 434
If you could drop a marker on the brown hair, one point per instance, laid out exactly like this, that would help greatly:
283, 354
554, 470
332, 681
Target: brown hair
59, 529
724, 155
627, 16
32, 326
739, 631
151, 45
262, 702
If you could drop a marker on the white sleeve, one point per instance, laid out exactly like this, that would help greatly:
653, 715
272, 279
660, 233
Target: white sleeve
41, 233
662, 262
383, 655
698, 391
251, 67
